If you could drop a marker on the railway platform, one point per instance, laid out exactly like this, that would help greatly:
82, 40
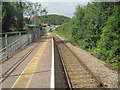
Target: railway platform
31, 67
53, 62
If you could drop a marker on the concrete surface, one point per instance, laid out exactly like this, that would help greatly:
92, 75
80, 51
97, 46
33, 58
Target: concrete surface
39, 72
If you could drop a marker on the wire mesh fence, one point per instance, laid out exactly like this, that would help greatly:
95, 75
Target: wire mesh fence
13, 41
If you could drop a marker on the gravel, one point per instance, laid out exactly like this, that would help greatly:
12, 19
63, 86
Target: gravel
108, 76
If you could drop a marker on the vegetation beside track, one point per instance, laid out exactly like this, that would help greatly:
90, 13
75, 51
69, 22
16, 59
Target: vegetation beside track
95, 28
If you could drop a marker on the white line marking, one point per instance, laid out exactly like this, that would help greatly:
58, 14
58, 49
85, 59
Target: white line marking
21, 74
30, 80
32, 75
23, 71
52, 84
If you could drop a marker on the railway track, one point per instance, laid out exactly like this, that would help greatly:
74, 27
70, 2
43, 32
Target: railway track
61, 75
77, 73
16, 64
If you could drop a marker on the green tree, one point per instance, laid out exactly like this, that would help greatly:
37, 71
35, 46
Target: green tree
95, 27
33, 10
19, 15
108, 45
0, 17
14, 13
8, 16
54, 19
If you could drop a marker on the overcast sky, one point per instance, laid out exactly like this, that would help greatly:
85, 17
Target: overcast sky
61, 7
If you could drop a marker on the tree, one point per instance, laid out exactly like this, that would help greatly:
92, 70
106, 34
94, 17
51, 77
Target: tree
19, 16
8, 16
108, 45
33, 10
14, 13
54, 19
0, 17
0, 11
95, 28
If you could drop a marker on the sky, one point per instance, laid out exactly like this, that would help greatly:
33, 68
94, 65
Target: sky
61, 7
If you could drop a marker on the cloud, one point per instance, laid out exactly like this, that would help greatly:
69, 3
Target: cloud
62, 8
59, 0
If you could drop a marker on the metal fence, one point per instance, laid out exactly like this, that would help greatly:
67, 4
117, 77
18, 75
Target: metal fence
13, 41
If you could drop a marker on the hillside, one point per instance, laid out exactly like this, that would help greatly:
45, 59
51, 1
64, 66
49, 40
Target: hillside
54, 19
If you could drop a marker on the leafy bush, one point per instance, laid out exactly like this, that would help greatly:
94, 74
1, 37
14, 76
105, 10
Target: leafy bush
95, 28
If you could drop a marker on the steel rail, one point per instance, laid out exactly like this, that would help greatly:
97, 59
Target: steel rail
64, 68
96, 78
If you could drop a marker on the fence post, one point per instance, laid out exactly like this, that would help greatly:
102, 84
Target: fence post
39, 33
6, 45
27, 38
19, 39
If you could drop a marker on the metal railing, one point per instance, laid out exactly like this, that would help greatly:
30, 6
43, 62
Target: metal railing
13, 41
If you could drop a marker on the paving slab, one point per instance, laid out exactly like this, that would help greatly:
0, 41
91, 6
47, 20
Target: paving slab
40, 75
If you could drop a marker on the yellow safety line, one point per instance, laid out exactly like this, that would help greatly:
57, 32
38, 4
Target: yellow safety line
25, 77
